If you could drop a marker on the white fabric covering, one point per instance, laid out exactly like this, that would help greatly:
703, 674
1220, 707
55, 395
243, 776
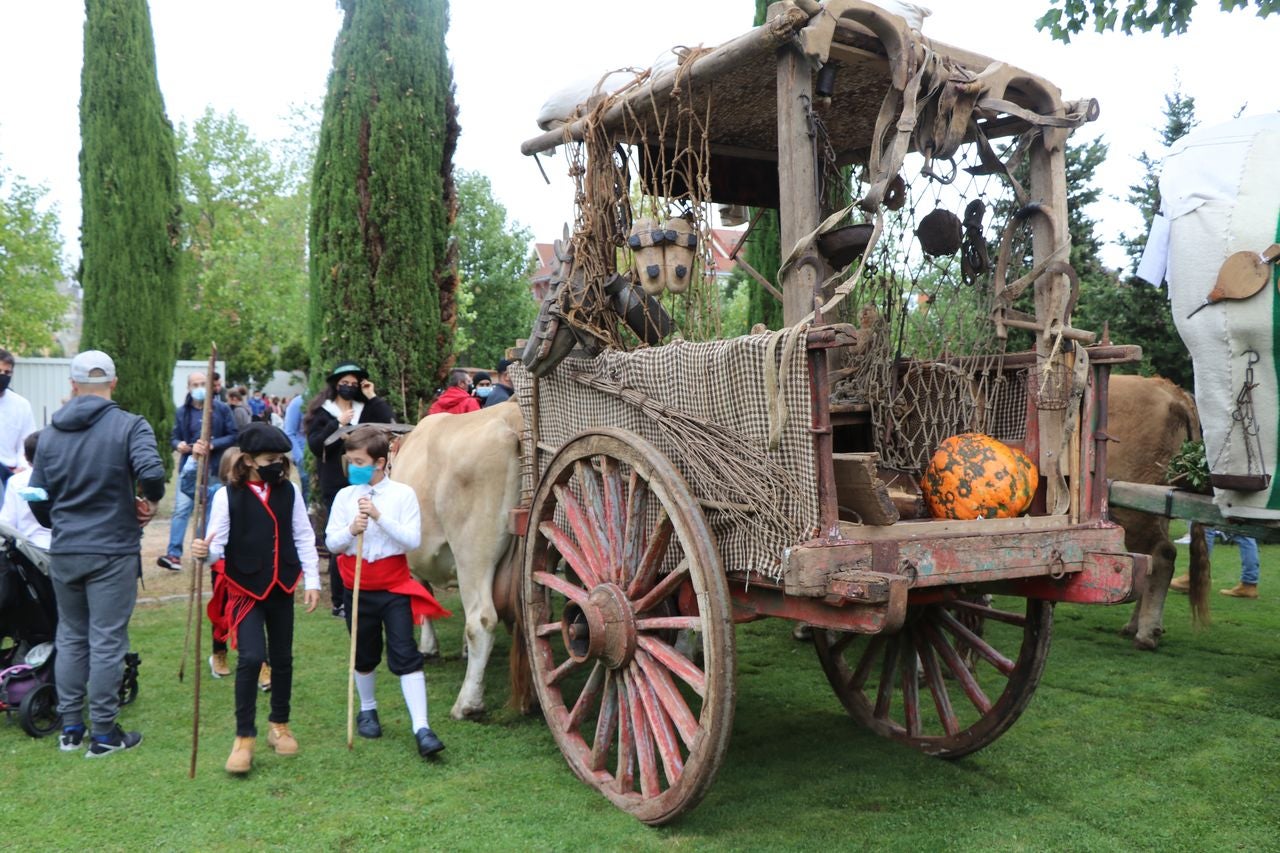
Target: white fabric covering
1220, 190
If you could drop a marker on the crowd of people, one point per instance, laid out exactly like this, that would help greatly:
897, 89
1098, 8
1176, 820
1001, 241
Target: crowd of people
83, 487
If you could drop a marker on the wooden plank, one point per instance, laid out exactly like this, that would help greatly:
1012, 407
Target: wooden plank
797, 180
939, 529
979, 559
1178, 503
859, 489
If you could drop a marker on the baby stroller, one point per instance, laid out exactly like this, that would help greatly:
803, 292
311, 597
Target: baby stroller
28, 622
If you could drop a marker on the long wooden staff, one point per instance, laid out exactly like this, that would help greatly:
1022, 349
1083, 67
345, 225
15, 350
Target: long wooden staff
197, 569
355, 627
201, 498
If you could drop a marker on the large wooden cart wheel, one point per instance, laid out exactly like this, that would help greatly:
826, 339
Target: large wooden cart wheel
619, 563
951, 681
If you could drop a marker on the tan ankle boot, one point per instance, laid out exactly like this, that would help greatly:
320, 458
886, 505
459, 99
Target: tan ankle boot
282, 740
264, 678
241, 758
1182, 583
1242, 590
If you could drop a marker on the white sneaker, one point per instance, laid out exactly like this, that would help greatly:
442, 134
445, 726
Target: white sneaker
1185, 540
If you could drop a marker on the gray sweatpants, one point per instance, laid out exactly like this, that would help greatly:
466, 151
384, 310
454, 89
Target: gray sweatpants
96, 594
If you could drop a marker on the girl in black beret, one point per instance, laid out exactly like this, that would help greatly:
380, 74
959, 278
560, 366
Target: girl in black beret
262, 542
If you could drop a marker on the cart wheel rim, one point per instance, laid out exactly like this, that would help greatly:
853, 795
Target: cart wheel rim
955, 677
619, 559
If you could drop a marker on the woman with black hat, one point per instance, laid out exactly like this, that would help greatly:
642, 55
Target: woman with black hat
259, 530
348, 398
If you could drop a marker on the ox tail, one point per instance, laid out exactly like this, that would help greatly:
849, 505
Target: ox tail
522, 699
1200, 576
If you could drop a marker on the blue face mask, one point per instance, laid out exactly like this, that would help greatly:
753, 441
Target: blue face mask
197, 394
484, 391
360, 475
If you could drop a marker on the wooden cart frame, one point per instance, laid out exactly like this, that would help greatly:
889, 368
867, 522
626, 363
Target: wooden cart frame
900, 610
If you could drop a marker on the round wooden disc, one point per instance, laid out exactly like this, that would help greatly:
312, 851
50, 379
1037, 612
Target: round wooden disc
1241, 276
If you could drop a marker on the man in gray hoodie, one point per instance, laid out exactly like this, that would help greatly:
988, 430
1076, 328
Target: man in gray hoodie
88, 462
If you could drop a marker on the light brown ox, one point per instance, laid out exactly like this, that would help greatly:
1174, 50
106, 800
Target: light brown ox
466, 472
1149, 418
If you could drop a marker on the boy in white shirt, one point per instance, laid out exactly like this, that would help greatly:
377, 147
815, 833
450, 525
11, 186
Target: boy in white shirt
387, 513
14, 510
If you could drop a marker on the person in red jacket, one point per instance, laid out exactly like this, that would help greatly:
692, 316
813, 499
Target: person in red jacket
456, 399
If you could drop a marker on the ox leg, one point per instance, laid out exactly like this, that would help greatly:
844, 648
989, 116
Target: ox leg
428, 644
1151, 615
476, 588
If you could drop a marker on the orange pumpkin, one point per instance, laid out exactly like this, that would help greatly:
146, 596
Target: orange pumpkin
974, 476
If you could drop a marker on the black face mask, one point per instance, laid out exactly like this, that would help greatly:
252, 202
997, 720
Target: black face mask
349, 392
4, 382
271, 474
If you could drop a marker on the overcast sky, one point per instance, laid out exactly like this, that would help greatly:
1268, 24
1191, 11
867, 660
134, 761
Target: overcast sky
259, 57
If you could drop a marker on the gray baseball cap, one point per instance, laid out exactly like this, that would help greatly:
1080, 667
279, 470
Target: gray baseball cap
84, 364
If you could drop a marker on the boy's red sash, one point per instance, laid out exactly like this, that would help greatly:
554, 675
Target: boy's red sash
391, 574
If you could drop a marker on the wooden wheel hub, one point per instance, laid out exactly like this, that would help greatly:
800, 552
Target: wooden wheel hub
603, 627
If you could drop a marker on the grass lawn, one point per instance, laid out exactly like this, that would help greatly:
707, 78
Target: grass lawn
1120, 750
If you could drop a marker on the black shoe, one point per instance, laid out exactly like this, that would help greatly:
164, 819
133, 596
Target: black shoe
367, 724
172, 562
118, 740
339, 611
428, 743
72, 738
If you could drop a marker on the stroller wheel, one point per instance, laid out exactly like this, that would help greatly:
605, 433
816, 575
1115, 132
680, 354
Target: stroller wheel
38, 713
129, 683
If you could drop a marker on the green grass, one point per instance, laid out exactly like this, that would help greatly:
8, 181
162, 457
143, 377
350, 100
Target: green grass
1120, 750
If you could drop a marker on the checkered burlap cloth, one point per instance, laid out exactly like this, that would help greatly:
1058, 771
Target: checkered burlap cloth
719, 382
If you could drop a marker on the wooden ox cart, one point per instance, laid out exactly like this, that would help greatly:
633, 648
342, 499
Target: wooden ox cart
677, 489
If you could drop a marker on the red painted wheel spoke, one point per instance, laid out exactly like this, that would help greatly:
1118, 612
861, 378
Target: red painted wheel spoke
938, 687
959, 671
606, 723
574, 593
548, 628
648, 761
633, 534
884, 694
676, 663
575, 559
664, 735
663, 588
586, 699
625, 776
863, 671
614, 516
981, 646
655, 550
669, 695
557, 675
593, 503
910, 686
588, 536
670, 623
1005, 616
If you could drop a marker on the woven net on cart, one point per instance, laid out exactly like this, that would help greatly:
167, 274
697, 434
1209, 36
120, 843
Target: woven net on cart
707, 408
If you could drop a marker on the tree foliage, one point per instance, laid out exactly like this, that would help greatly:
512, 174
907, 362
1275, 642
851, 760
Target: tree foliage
382, 276
244, 271
494, 264
1066, 18
130, 233
31, 266
764, 247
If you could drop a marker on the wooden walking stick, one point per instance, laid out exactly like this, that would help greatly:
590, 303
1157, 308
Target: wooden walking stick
355, 627
197, 568
201, 498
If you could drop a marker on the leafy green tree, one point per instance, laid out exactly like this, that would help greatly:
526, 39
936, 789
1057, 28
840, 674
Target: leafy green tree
494, 264
31, 266
383, 281
1066, 18
245, 269
1180, 119
763, 250
131, 229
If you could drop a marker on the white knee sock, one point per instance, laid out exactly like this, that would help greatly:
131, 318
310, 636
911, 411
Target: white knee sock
414, 688
364, 686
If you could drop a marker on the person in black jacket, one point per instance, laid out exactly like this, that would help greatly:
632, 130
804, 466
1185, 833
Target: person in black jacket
348, 398
502, 389
87, 463
261, 536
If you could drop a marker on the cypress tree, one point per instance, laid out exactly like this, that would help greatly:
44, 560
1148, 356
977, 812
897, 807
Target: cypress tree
764, 247
129, 235
382, 272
